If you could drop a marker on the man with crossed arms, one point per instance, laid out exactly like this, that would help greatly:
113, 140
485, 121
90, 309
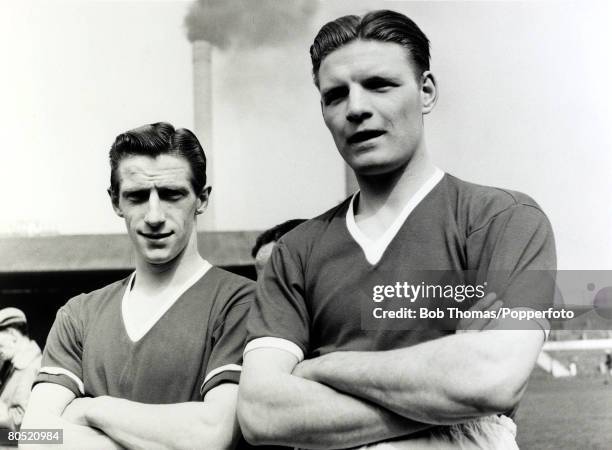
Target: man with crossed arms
153, 360
312, 376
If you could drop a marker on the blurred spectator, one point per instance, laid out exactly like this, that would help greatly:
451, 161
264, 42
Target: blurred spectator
19, 364
266, 240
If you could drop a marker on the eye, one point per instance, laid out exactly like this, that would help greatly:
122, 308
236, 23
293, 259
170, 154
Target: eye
334, 95
171, 195
136, 196
380, 84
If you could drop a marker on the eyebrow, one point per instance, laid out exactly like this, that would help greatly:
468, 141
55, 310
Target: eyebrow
163, 188
177, 189
382, 77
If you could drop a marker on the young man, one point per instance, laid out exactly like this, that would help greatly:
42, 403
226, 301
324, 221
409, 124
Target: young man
152, 360
19, 364
313, 376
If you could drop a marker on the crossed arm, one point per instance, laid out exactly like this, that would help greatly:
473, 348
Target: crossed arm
108, 422
355, 398
277, 407
444, 381
44, 411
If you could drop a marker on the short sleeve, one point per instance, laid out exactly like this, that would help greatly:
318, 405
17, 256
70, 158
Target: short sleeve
62, 357
279, 317
228, 339
516, 257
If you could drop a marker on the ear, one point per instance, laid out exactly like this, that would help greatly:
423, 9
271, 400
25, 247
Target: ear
115, 202
429, 91
203, 199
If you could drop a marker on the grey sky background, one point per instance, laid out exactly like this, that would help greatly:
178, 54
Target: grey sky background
525, 103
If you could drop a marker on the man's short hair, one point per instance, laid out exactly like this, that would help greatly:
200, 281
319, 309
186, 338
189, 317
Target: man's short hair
154, 140
274, 234
381, 25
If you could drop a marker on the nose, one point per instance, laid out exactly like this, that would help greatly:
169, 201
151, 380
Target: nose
358, 108
155, 213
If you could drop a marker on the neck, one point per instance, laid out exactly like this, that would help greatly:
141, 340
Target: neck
392, 190
158, 276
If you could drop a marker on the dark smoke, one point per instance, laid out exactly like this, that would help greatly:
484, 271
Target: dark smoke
249, 23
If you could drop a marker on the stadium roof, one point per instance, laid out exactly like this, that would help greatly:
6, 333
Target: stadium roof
110, 252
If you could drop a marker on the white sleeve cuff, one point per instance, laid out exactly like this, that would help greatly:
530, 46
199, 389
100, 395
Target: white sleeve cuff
62, 371
275, 342
218, 370
213, 373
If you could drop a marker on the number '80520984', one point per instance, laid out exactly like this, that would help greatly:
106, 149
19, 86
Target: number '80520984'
36, 436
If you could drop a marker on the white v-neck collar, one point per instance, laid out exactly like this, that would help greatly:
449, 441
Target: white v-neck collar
136, 331
374, 249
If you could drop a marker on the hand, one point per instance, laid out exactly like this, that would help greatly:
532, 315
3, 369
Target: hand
488, 303
76, 411
304, 369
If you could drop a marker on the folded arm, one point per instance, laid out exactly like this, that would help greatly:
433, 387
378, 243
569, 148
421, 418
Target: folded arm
276, 407
208, 424
442, 381
44, 411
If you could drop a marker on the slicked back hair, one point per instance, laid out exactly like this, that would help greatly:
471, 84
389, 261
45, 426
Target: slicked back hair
380, 25
158, 139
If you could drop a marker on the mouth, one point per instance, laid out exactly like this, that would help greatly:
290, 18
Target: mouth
363, 136
156, 236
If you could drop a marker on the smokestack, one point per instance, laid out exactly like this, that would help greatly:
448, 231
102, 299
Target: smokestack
249, 23
223, 25
202, 52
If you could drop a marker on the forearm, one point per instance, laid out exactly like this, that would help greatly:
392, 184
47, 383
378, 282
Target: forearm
73, 436
444, 381
177, 426
283, 409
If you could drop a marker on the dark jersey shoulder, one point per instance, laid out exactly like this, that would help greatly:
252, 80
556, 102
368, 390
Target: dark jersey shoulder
86, 305
477, 205
230, 281
227, 291
304, 235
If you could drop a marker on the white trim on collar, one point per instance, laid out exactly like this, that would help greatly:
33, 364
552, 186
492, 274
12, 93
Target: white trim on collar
135, 333
374, 249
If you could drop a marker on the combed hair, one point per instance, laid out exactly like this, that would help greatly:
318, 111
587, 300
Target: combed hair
154, 140
274, 234
380, 25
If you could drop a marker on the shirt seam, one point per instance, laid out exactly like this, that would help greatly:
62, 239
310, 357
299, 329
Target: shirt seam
515, 205
241, 303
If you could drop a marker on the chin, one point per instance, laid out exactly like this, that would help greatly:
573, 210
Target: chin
375, 169
158, 259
